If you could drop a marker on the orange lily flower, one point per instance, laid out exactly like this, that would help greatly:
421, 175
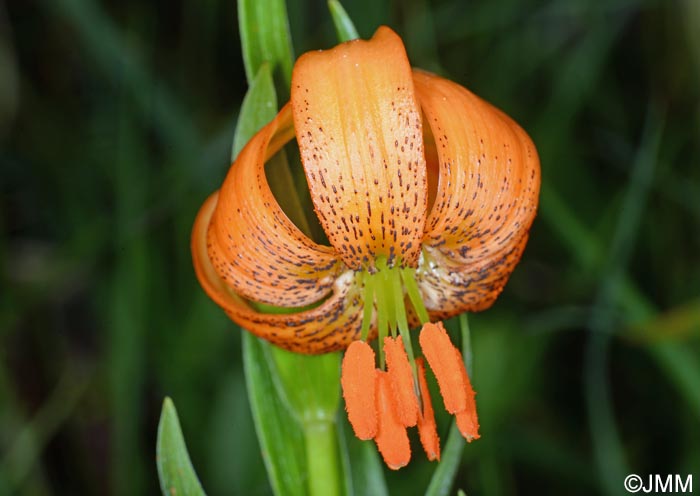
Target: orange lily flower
426, 194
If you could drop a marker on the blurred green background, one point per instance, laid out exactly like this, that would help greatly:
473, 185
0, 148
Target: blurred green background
116, 120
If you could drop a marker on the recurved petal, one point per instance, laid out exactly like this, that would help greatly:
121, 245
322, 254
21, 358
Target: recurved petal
330, 326
486, 196
359, 131
449, 287
254, 248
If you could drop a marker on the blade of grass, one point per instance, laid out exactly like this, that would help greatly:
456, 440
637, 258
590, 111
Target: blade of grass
31, 439
105, 44
175, 470
605, 437
582, 245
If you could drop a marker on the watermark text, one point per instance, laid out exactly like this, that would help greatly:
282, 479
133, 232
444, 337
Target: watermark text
657, 483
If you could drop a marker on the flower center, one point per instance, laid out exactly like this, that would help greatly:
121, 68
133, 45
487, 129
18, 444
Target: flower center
384, 292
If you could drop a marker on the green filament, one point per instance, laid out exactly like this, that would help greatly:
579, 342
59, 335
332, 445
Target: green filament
385, 293
408, 277
369, 283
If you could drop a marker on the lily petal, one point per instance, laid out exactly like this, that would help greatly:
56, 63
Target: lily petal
486, 196
360, 134
331, 326
253, 245
449, 288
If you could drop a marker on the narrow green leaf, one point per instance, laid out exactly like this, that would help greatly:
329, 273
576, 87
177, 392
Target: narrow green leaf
444, 475
280, 435
258, 108
364, 473
175, 471
265, 37
344, 27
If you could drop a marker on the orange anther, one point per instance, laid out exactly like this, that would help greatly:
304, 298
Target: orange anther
467, 420
359, 391
426, 420
447, 366
401, 379
391, 439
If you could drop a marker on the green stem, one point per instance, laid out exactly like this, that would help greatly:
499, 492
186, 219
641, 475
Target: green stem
466, 336
322, 458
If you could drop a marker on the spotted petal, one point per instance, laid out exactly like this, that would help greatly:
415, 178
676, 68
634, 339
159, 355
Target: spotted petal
254, 247
330, 326
485, 199
359, 131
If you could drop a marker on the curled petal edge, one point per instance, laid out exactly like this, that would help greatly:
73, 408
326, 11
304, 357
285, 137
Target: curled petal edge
331, 326
251, 242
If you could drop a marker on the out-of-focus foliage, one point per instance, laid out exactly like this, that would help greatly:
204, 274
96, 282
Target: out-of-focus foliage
116, 120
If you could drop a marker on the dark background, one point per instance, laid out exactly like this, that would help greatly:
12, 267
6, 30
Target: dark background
116, 120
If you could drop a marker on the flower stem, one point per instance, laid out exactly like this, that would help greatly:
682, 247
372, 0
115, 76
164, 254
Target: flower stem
322, 458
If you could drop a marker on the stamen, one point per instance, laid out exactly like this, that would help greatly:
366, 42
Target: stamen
408, 276
447, 366
382, 321
392, 439
359, 389
401, 320
368, 299
468, 424
386, 274
427, 429
401, 378
467, 420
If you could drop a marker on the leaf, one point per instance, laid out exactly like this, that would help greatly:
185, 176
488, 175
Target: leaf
175, 471
279, 433
258, 108
310, 384
364, 472
344, 27
265, 37
310, 387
